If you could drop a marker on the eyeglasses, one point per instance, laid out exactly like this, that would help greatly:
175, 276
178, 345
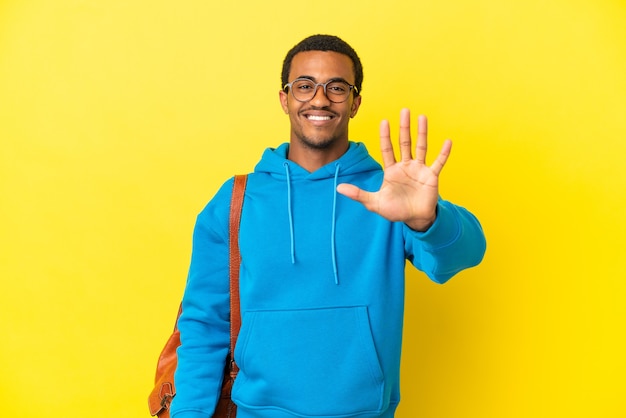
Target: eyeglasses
304, 89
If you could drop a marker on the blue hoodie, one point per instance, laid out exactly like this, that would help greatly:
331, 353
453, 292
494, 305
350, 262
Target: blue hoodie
322, 293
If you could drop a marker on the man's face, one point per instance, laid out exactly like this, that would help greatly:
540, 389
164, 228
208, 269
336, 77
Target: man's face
320, 123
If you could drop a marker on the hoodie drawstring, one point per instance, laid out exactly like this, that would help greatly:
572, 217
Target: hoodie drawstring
333, 248
290, 211
334, 222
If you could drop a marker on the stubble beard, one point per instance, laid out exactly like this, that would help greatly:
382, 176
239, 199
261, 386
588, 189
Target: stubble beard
319, 141
317, 144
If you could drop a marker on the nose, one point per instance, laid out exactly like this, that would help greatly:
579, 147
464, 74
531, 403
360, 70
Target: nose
320, 96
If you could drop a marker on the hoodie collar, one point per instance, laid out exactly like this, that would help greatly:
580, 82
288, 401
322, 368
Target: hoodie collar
355, 160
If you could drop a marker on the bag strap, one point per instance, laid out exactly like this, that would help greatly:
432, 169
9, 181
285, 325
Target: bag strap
236, 205
164, 391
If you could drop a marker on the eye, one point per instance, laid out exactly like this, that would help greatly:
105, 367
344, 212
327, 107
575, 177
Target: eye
338, 88
302, 85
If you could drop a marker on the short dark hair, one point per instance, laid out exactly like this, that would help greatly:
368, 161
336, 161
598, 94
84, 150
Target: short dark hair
324, 43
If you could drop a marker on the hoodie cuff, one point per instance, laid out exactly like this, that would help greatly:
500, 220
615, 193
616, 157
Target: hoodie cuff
444, 231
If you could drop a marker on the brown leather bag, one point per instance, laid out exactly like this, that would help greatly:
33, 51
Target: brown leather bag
164, 390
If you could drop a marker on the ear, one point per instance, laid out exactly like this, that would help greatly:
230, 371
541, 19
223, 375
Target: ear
283, 96
356, 103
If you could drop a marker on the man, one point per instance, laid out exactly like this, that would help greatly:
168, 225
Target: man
324, 236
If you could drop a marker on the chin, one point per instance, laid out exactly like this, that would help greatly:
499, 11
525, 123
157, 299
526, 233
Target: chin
318, 143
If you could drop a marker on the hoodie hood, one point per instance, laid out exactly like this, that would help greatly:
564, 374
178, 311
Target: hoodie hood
274, 162
355, 160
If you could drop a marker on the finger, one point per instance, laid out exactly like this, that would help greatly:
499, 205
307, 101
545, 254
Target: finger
422, 139
405, 135
386, 148
355, 193
438, 164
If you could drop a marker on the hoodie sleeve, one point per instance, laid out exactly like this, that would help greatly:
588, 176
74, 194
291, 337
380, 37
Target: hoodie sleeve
453, 243
204, 323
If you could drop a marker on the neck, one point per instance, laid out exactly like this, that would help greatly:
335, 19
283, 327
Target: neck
312, 159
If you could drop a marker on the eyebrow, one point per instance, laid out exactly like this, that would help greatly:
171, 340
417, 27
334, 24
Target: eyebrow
313, 79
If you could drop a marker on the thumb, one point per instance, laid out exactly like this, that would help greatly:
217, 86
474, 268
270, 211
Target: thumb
353, 192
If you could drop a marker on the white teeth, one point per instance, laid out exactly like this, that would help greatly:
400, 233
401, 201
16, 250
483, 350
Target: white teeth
313, 117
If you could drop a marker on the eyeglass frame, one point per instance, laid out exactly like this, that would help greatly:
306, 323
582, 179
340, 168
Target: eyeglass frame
352, 87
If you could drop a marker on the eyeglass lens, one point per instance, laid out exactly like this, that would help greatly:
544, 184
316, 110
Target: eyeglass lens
336, 91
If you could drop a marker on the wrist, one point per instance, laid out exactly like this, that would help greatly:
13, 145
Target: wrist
422, 225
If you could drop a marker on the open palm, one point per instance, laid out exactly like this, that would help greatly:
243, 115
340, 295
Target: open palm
410, 188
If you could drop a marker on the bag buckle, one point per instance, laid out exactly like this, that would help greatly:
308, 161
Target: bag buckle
166, 394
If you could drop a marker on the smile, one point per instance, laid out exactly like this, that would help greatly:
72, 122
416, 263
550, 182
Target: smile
320, 118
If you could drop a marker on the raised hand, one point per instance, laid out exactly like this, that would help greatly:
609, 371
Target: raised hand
410, 188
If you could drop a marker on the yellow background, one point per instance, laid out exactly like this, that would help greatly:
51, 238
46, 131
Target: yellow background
119, 119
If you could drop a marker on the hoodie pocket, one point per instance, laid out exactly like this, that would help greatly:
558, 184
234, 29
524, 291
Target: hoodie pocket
312, 362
